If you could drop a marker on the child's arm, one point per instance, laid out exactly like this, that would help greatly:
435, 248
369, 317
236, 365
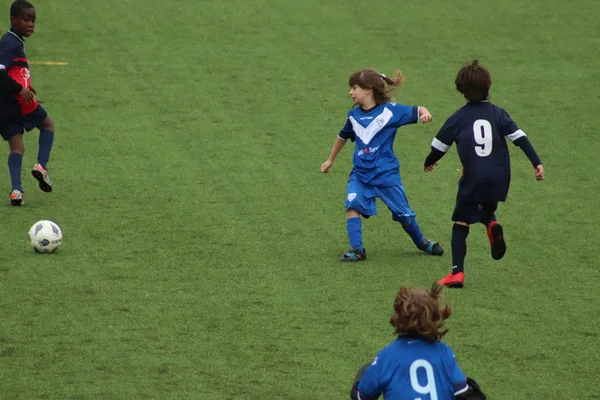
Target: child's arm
8, 84
424, 115
525, 145
519, 138
432, 158
441, 143
337, 147
354, 393
368, 382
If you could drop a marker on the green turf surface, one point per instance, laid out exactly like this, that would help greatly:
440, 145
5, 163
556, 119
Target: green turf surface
201, 240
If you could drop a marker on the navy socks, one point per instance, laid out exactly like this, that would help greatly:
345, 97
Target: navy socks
45, 142
15, 161
459, 247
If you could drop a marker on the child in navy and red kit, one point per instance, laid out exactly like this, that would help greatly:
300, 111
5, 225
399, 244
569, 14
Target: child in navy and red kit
19, 110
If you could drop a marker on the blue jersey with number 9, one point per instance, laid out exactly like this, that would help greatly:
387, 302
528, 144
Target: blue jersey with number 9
413, 369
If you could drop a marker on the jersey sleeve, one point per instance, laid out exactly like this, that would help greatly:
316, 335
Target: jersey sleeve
371, 383
405, 115
7, 54
457, 377
347, 131
509, 127
446, 135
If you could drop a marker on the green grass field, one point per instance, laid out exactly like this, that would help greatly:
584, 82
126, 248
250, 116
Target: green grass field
201, 240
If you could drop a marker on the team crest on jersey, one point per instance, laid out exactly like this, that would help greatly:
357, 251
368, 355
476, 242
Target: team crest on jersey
380, 122
25, 74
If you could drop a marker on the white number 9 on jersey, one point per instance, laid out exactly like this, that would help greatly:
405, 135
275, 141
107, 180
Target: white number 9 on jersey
482, 133
429, 387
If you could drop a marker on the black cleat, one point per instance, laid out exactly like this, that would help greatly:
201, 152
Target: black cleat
497, 243
431, 247
354, 255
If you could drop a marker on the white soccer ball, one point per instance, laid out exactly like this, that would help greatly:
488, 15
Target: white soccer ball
45, 236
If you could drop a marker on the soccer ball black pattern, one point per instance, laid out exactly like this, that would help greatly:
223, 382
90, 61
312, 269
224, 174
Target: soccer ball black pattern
45, 236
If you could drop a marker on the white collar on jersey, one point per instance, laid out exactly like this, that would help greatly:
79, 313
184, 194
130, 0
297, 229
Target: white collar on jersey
17, 36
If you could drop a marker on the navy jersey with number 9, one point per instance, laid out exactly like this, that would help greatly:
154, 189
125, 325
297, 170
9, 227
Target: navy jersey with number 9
480, 131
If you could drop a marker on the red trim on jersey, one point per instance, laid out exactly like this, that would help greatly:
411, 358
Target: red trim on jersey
20, 59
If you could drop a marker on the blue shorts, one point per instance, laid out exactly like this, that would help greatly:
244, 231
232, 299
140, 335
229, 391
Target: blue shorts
13, 127
361, 197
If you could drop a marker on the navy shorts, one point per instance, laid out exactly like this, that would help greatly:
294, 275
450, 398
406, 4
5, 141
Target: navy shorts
471, 212
362, 198
13, 127
471, 197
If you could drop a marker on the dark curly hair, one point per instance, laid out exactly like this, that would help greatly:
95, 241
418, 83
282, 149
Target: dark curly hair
420, 313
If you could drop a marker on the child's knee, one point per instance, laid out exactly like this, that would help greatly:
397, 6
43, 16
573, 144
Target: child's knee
48, 124
405, 220
352, 213
16, 144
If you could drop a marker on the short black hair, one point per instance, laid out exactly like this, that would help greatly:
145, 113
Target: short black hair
17, 7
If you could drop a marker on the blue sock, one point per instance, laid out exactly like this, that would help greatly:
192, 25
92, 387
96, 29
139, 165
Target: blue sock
15, 160
354, 228
45, 142
413, 230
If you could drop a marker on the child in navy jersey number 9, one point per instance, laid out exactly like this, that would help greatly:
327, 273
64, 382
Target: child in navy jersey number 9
19, 110
373, 124
479, 129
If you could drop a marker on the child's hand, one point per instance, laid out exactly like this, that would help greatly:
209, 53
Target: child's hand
539, 172
429, 168
426, 117
326, 165
32, 89
27, 95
